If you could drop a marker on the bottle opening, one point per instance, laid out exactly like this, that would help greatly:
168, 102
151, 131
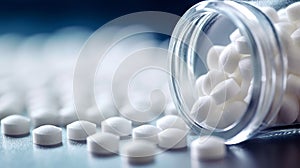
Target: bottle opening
223, 69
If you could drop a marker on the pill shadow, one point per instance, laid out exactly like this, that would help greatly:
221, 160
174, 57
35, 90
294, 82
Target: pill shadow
232, 159
185, 149
75, 142
48, 146
97, 155
17, 136
127, 163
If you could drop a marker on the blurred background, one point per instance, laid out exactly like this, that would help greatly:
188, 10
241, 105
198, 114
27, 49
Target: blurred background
46, 16
40, 44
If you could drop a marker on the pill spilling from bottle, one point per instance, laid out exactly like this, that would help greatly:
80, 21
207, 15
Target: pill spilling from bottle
223, 93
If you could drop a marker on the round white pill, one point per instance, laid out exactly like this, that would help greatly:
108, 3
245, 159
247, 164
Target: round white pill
103, 143
44, 116
171, 109
67, 115
15, 125
201, 108
171, 121
236, 75
293, 60
271, 13
235, 35
146, 132
292, 84
213, 57
246, 68
214, 117
172, 138
208, 148
211, 79
242, 46
80, 130
289, 110
285, 38
285, 26
97, 115
198, 85
117, 125
231, 113
229, 59
225, 91
245, 85
139, 152
293, 11
296, 37
47, 135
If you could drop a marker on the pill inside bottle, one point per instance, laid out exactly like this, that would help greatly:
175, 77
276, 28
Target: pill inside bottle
235, 70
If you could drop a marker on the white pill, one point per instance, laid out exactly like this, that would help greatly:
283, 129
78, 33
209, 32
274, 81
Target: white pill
235, 35
229, 59
244, 90
282, 13
236, 75
171, 109
289, 110
67, 115
172, 138
242, 46
285, 38
293, 11
214, 117
296, 37
211, 79
139, 152
271, 13
285, 26
171, 121
117, 125
294, 60
201, 108
47, 135
43, 116
9, 105
231, 113
208, 148
213, 56
198, 85
225, 91
146, 132
97, 115
80, 130
15, 125
246, 68
292, 84
136, 116
103, 143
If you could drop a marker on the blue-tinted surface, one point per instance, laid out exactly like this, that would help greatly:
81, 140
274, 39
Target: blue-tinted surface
21, 152
279, 149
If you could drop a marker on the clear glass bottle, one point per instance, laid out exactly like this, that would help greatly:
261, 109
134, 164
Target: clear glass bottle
211, 23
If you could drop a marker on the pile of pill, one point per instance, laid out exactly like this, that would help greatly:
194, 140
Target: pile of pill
224, 94
45, 109
225, 90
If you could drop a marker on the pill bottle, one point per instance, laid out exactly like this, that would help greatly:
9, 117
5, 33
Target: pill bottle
269, 45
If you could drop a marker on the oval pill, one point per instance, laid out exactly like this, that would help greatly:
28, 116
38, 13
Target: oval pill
47, 135
80, 130
15, 125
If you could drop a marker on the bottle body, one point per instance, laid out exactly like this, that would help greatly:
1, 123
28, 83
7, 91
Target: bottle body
234, 69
